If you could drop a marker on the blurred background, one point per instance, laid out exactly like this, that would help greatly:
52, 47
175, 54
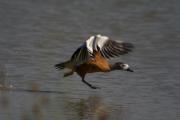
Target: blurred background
36, 34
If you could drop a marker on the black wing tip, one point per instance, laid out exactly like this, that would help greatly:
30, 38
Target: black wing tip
125, 48
128, 45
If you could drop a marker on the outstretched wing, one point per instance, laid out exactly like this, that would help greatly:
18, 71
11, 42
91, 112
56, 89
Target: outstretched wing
113, 48
108, 48
81, 55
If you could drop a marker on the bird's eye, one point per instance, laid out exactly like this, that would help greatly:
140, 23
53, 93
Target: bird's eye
123, 65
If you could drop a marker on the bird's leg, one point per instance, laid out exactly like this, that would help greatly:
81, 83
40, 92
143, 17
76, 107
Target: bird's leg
91, 86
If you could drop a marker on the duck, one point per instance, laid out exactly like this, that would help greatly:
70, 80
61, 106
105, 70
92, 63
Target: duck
93, 55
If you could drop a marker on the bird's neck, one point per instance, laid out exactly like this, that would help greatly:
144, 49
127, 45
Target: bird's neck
113, 67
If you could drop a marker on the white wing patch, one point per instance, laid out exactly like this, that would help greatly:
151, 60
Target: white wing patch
96, 41
89, 44
100, 41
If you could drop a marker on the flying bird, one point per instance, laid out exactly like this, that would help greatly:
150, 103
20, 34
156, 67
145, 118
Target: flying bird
92, 57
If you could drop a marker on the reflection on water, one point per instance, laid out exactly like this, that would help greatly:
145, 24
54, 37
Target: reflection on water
2, 75
33, 112
4, 100
94, 108
91, 108
36, 110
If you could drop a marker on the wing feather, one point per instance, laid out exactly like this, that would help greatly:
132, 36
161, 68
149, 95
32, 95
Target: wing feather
113, 48
81, 55
108, 49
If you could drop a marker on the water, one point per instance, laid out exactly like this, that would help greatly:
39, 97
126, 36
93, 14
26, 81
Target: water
35, 35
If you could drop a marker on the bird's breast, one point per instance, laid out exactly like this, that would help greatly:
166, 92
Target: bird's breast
93, 66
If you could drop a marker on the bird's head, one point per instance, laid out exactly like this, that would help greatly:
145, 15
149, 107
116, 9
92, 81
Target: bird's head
121, 66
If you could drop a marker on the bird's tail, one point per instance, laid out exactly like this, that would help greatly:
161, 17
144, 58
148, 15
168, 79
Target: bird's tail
63, 65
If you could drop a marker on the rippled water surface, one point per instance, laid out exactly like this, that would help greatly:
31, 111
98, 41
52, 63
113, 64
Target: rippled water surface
36, 34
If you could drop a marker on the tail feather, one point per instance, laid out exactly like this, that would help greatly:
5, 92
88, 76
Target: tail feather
62, 65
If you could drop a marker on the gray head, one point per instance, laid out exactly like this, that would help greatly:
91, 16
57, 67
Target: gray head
121, 66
